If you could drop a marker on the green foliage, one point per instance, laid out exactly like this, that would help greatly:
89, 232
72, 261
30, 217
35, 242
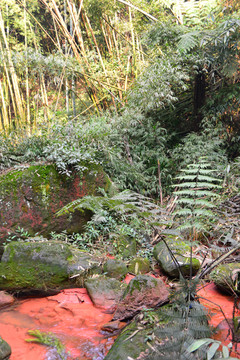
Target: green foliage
196, 197
213, 349
180, 325
19, 235
48, 339
126, 214
160, 85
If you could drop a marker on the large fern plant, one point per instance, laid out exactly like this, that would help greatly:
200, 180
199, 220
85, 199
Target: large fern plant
128, 204
197, 195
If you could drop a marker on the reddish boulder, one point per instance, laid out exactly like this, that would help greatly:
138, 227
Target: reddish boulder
30, 197
5, 299
143, 292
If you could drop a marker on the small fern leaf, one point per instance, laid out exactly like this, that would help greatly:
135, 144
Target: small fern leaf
188, 41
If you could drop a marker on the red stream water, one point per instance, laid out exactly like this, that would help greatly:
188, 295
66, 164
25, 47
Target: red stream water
71, 316
220, 308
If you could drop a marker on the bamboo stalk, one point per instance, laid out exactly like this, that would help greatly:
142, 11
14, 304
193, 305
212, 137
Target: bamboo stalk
126, 78
17, 93
4, 113
26, 68
9, 83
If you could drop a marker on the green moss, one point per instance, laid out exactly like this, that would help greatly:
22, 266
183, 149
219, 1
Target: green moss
25, 276
139, 266
181, 252
43, 265
125, 347
227, 277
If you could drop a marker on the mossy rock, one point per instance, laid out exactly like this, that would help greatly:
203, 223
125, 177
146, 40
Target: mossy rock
125, 347
44, 266
181, 252
126, 246
5, 350
139, 266
115, 269
135, 338
30, 197
227, 277
104, 292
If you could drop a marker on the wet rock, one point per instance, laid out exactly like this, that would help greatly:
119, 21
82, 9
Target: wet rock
44, 266
227, 277
113, 326
5, 299
142, 292
115, 269
139, 266
105, 292
5, 350
30, 197
181, 251
129, 344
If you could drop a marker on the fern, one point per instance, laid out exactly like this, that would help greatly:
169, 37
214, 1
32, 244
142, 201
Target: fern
196, 197
188, 41
126, 203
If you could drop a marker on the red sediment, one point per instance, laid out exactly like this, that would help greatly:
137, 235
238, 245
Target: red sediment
70, 316
218, 305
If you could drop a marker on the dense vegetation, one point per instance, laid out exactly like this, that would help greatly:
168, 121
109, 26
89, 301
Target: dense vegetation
150, 90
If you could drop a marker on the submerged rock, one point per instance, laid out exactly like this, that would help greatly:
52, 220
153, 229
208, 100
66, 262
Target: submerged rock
105, 292
30, 197
5, 350
142, 292
181, 252
227, 277
44, 266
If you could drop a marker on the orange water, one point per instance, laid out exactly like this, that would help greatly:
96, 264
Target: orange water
70, 315
220, 306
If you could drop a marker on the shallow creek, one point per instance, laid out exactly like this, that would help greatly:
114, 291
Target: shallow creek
212, 299
71, 316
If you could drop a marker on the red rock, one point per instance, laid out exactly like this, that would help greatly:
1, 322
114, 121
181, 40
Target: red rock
143, 291
5, 299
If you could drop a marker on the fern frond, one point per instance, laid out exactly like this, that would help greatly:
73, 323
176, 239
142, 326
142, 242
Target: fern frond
188, 41
199, 184
200, 178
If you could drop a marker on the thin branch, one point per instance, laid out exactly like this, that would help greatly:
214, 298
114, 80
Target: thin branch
137, 8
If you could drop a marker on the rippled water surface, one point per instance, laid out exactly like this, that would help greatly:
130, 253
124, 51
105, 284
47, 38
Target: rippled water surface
70, 315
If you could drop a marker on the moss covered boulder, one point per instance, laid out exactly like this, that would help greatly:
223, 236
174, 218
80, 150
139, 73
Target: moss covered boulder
115, 269
181, 252
142, 292
227, 277
30, 197
130, 343
105, 292
139, 266
44, 266
5, 350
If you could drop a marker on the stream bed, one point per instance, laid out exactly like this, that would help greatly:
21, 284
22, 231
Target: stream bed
70, 316
76, 322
